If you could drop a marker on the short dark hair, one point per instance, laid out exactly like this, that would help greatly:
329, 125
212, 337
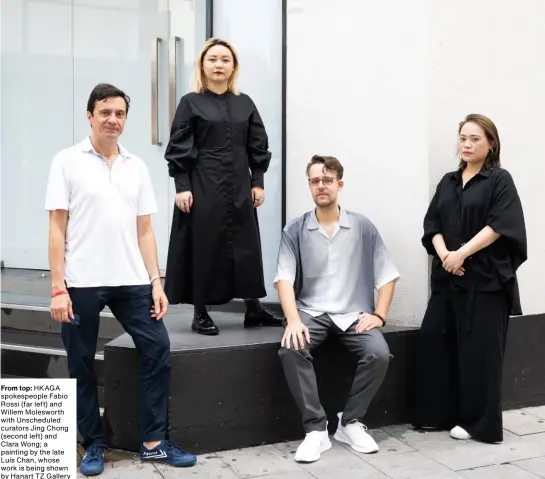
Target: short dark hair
103, 91
330, 163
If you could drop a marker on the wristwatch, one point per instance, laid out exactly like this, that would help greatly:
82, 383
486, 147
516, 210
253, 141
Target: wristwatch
153, 278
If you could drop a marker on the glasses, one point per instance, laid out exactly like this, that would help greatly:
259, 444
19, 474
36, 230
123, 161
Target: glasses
326, 180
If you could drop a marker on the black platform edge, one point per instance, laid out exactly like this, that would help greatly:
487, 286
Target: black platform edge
233, 397
228, 398
524, 363
238, 306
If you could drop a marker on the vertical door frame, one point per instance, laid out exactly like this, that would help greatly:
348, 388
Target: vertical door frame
284, 108
209, 19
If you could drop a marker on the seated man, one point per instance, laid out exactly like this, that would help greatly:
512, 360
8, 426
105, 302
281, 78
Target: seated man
329, 263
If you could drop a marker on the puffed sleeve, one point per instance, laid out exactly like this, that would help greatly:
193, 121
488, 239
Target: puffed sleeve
432, 223
258, 148
505, 217
181, 152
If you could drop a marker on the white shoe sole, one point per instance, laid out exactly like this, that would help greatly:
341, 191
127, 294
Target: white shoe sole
341, 437
325, 447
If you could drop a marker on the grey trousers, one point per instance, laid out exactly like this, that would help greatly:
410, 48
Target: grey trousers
371, 351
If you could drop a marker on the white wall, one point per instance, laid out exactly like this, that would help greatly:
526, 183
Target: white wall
383, 85
354, 93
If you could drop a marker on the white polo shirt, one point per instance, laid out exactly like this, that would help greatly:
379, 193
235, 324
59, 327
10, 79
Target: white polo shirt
103, 204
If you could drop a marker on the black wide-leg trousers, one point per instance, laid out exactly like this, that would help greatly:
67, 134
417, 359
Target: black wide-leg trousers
459, 363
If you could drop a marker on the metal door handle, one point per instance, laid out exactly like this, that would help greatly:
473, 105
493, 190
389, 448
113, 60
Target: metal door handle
155, 91
173, 69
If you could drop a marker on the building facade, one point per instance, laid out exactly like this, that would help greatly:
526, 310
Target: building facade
380, 85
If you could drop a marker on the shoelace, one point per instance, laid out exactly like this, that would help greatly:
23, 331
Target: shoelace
173, 448
94, 453
357, 423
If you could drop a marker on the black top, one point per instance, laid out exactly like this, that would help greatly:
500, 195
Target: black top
209, 127
459, 213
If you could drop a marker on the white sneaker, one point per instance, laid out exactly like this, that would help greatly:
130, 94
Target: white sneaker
354, 434
459, 433
311, 448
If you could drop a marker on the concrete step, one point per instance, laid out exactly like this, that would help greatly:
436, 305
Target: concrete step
36, 318
30, 354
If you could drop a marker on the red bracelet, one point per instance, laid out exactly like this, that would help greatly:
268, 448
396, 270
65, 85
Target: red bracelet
58, 293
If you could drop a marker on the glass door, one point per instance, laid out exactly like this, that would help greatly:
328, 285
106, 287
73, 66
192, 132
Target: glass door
52, 55
146, 48
125, 43
36, 108
187, 26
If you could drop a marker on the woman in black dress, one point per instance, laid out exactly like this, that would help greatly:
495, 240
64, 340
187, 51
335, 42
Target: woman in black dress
218, 155
475, 231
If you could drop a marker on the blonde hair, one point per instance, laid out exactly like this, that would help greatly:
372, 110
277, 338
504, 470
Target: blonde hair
199, 78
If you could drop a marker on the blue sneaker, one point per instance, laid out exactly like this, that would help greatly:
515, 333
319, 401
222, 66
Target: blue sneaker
167, 453
93, 461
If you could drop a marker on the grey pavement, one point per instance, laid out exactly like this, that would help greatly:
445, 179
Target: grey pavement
404, 454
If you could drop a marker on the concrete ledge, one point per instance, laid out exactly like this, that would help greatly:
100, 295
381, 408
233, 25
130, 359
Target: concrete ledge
230, 392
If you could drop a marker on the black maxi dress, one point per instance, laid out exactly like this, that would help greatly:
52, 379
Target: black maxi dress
462, 338
218, 150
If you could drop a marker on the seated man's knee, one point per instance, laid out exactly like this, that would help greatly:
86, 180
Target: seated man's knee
285, 353
377, 349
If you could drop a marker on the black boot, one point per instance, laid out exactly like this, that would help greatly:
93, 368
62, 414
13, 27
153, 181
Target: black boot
257, 315
203, 324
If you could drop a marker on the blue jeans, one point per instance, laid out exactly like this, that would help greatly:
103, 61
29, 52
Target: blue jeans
131, 306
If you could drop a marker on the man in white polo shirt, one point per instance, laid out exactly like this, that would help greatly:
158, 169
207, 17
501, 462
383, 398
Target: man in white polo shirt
102, 252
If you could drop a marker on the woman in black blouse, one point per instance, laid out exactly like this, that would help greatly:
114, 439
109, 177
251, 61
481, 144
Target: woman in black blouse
475, 231
218, 155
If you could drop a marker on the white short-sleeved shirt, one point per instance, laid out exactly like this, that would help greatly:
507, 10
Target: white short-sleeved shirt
103, 204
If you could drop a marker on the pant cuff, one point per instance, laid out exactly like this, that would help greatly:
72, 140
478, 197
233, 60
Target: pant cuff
345, 422
153, 437
98, 442
315, 426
